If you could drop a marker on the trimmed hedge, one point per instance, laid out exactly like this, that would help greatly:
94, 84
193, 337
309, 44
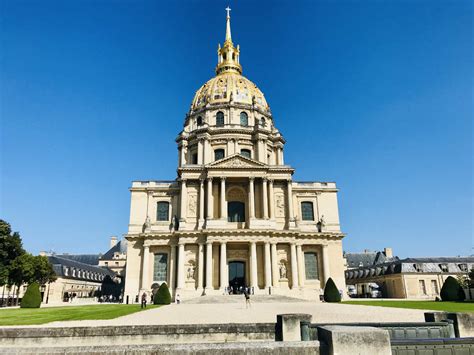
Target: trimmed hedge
162, 296
331, 293
32, 297
452, 290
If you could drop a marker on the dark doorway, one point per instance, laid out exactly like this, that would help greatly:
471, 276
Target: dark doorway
237, 276
236, 211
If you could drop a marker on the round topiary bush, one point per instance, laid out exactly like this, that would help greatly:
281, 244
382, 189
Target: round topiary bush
32, 297
163, 295
331, 293
452, 290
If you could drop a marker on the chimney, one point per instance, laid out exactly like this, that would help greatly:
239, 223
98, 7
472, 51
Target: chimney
388, 252
113, 241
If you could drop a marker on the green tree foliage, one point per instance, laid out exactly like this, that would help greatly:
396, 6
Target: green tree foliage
32, 297
471, 278
331, 293
163, 295
10, 248
110, 287
452, 290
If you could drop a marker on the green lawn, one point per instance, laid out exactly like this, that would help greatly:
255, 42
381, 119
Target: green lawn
24, 316
428, 305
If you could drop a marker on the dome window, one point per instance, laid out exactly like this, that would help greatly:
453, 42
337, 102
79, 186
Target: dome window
220, 119
199, 121
246, 153
219, 154
244, 119
263, 123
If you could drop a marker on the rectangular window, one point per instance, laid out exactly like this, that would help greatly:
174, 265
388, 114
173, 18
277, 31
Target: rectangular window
422, 287
311, 266
434, 287
160, 267
162, 211
307, 211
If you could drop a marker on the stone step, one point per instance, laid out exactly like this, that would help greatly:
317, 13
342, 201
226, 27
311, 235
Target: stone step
240, 298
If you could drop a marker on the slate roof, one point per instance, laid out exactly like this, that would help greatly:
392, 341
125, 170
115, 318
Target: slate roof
63, 267
120, 247
356, 260
91, 259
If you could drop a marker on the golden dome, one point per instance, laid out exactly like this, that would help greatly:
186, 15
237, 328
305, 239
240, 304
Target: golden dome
229, 87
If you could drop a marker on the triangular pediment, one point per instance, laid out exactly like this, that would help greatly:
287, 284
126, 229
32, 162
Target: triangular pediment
236, 161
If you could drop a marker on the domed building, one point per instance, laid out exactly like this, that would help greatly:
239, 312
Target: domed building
234, 218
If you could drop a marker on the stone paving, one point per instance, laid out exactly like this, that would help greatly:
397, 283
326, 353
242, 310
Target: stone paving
232, 309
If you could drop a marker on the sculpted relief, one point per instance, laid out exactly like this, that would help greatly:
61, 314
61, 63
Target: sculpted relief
192, 205
280, 205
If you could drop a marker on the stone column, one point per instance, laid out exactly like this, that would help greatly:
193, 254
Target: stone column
251, 199
253, 265
223, 200
182, 153
294, 267
271, 199
206, 154
172, 275
201, 266
200, 151
201, 202
265, 198
223, 267
209, 266
291, 217
184, 194
146, 267
180, 266
268, 266
301, 270
275, 271
282, 161
236, 146
210, 213
325, 263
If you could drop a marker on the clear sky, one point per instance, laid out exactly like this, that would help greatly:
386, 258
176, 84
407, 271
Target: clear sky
375, 95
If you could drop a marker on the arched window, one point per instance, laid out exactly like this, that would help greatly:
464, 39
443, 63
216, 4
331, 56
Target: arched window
219, 154
236, 211
244, 119
220, 118
311, 266
307, 211
246, 153
160, 267
199, 121
162, 211
263, 123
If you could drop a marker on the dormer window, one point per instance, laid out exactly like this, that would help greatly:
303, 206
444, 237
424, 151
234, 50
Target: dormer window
443, 267
463, 267
246, 153
417, 267
199, 121
220, 119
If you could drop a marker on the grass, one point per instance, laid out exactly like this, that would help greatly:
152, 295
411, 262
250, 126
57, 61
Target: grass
428, 305
24, 316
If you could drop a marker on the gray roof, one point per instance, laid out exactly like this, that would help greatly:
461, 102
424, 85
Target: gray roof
120, 247
448, 265
63, 267
91, 259
355, 260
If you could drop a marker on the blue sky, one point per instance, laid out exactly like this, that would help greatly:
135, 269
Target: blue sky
375, 95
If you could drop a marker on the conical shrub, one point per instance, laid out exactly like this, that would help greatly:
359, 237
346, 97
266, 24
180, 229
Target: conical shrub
163, 295
32, 297
331, 293
452, 290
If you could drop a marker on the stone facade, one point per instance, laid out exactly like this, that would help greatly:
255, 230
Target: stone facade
234, 216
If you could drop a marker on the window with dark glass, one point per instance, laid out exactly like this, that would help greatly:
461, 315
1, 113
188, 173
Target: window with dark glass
307, 211
263, 123
160, 267
246, 153
162, 211
244, 119
220, 118
199, 121
194, 158
218, 154
236, 211
311, 266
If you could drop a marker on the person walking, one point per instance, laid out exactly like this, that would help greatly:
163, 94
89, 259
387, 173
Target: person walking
178, 299
247, 299
144, 300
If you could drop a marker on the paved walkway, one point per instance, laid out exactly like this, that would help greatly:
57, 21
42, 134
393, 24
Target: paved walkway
231, 309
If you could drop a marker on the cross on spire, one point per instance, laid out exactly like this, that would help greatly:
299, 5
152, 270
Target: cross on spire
228, 11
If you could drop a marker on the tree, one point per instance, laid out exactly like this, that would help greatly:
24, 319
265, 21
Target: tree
32, 297
163, 295
10, 248
452, 290
43, 270
331, 293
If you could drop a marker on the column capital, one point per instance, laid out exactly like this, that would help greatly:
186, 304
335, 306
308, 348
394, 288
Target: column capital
201, 181
253, 243
223, 178
289, 180
209, 242
146, 246
264, 179
209, 178
183, 243
183, 180
251, 178
223, 242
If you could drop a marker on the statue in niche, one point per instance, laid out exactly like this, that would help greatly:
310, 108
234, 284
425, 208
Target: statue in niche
191, 271
282, 270
147, 224
321, 224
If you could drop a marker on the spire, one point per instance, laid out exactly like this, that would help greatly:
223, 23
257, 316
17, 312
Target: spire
228, 55
228, 35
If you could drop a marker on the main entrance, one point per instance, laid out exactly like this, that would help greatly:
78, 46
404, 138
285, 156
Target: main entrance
237, 276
